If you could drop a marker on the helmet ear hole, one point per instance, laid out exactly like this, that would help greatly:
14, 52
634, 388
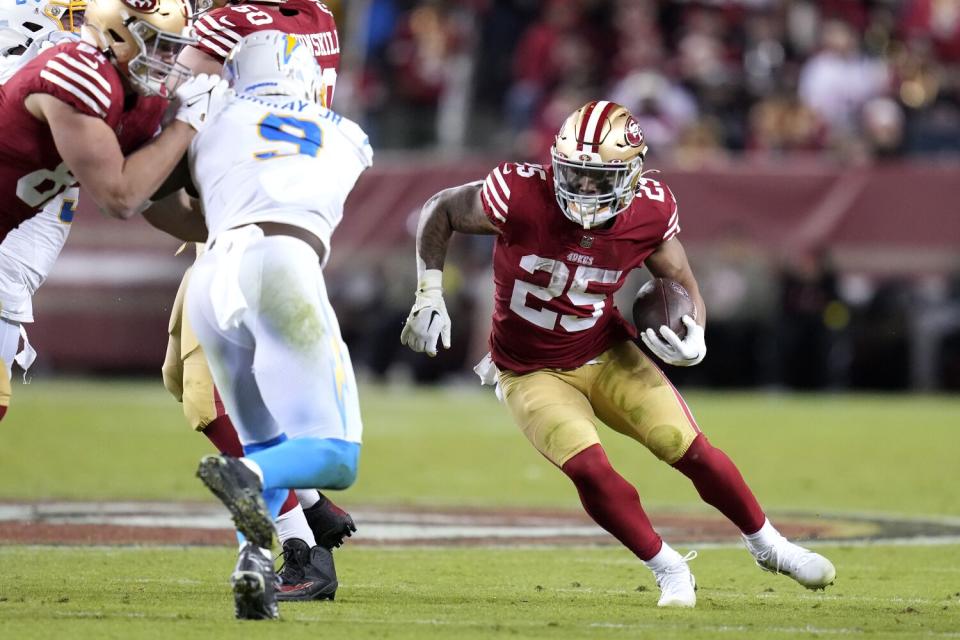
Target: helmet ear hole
116, 37
32, 26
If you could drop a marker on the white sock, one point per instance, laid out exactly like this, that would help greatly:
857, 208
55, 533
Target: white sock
293, 524
666, 557
253, 466
308, 497
765, 537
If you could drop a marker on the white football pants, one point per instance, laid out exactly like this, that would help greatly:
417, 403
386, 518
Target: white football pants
259, 308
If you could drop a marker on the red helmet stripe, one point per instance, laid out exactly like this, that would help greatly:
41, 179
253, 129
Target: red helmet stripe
582, 129
593, 125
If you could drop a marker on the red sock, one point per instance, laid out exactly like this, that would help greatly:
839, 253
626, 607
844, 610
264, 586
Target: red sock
290, 503
612, 502
221, 433
719, 483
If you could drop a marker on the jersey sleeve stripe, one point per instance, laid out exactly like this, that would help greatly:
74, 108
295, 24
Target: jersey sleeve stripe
212, 46
673, 218
504, 189
93, 73
78, 93
77, 79
672, 231
218, 35
216, 26
213, 41
498, 195
495, 208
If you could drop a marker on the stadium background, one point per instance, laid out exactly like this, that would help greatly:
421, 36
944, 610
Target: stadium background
814, 148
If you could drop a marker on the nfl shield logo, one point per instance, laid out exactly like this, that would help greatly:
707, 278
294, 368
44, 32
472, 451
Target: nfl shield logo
586, 241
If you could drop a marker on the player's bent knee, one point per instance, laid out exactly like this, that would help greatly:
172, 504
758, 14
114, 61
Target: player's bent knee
670, 442
199, 406
340, 461
198, 409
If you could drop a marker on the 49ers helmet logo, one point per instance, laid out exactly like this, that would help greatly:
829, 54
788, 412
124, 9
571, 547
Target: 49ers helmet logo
143, 6
633, 133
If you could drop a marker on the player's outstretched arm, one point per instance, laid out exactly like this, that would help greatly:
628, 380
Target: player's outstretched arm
670, 261
456, 209
92, 152
121, 185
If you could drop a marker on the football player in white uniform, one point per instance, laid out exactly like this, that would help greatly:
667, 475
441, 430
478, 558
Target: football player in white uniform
273, 170
310, 525
28, 252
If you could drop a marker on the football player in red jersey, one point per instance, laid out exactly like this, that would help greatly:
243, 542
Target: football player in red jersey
83, 112
71, 113
309, 524
562, 356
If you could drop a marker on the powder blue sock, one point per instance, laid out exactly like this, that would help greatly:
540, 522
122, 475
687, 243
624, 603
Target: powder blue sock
274, 497
307, 463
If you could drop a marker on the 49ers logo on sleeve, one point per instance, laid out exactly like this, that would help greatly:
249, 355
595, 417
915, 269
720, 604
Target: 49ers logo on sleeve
633, 132
143, 6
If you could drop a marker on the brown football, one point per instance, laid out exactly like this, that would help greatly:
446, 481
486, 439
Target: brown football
663, 302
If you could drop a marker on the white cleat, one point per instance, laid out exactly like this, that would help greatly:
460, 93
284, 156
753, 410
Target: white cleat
810, 569
678, 587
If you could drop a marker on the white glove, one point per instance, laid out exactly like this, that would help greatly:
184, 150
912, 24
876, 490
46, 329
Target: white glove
428, 320
200, 98
672, 350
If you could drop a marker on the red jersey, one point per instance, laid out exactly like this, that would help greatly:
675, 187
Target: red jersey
310, 21
554, 279
31, 169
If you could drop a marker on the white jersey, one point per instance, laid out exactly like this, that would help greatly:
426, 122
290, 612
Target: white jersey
28, 252
277, 159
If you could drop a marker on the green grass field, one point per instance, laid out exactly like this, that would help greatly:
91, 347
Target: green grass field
879, 454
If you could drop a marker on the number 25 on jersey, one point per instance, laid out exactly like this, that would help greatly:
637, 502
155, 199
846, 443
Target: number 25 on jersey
576, 293
305, 135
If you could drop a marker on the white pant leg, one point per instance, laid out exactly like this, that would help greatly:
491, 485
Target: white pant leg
230, 354
9, 341
29, 252
300, 365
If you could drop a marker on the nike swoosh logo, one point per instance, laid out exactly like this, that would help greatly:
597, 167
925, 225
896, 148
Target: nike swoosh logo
190, 103
433, 315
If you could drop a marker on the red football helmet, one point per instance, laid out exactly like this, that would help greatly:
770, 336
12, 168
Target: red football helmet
597, 159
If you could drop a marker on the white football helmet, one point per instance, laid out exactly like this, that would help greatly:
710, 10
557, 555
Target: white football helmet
23, 22
597, 160
271, 62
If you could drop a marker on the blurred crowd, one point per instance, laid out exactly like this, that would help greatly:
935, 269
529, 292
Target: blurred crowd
845, 81
852, 79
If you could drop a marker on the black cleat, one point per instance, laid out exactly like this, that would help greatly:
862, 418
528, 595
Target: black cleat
254, 585
306, 574
239, 489
330, 524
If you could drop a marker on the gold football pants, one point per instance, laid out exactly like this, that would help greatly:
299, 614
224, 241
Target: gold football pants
557, 409
185, 372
